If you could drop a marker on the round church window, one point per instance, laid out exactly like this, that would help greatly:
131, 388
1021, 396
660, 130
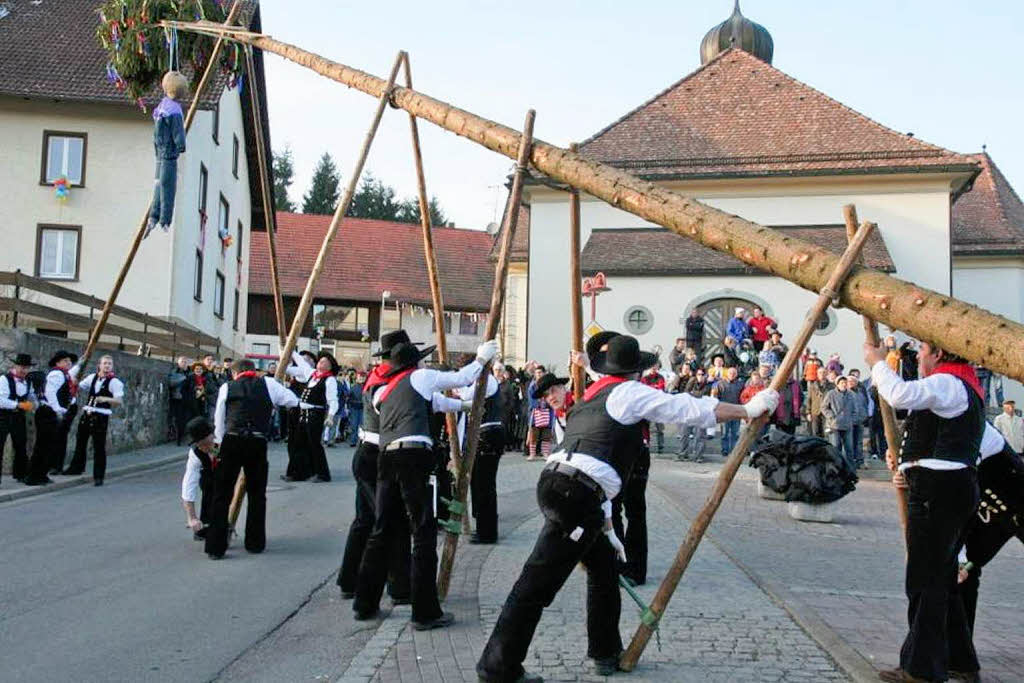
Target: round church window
638, 320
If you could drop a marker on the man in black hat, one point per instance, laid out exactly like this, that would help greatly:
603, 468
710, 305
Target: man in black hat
244, 409
484, 479
404, 405
16, 401
603, 437
56, 404
101, 391
552, 390
71, 378
300, 466
198, 479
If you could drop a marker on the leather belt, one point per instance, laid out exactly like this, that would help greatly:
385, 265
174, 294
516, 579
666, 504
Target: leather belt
248, 435
577, 475
409, 446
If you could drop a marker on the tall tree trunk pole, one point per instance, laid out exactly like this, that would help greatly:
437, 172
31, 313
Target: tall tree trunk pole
431, 258
969, 331
101, 322
270, 218
321, 259
451, 541
575, 286
892, 435
650, 617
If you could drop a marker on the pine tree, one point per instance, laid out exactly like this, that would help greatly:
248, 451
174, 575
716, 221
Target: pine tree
322, 197
374, 199
284, 173
409, 212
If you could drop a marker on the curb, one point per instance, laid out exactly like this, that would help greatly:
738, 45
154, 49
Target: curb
83, 479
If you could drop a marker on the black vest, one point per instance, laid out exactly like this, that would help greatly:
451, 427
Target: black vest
957, 439
315, 395
100, 388
591, 430
12, 392
371, 420
248, 410
1001, 480
404, 413
64, 393
493, 406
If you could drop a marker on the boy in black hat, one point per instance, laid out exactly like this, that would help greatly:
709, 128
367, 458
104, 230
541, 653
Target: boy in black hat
198, 479
16, 401
484, 478
404, 404
603, 437
300, 466
102, 391
53, 418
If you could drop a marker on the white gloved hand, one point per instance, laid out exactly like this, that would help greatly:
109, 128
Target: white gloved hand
467, 405
620, 550
306, 406
487, 351
764, 401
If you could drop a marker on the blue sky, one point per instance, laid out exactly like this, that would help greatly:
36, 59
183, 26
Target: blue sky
950, 72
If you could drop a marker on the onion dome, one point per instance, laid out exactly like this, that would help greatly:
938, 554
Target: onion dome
737, 31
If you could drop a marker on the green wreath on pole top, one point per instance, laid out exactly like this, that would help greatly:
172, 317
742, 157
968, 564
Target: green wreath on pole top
140, 52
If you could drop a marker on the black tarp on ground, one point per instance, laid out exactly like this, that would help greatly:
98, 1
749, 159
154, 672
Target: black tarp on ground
806, 469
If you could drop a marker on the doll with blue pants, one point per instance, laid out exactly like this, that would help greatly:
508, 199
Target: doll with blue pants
168, 144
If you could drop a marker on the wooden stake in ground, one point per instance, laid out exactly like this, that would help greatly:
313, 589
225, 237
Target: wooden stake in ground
892, 435
321, 259
211, 66
431, 258
575, 286
649, 621
451, 541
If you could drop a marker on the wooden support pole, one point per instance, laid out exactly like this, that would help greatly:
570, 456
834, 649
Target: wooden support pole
267, 192
575, 286
700, 523
430, 255
321, 260
108, 306
451, 541
892, 435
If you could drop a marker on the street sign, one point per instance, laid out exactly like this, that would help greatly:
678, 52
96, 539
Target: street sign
592, 328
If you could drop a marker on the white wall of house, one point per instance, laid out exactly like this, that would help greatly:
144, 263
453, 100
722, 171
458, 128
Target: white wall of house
118, 185
910, 213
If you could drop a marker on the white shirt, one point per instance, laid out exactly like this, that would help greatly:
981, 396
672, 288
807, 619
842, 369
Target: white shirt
466, 394
116, 387
1011, 427
190, 482
279, 396
54, 381
21, 388
430, 384
302, 370
991, 442
629, 403
941, 393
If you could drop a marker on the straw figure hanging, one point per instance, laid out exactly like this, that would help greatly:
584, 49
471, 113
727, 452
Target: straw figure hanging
168, 144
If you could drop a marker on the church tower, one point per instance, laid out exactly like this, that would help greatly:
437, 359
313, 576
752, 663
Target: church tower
737, 31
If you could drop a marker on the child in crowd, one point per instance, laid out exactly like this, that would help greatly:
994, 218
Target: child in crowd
198, 477
542, 419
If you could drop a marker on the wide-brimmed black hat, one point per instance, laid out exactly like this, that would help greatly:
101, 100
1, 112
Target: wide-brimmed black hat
61, 355
546, 382
405, 355
23, 359
595, 343
391, 339
334, 363
623, 357
197, 429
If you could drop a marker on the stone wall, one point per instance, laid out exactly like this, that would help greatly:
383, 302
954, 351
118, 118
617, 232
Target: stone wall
141, 422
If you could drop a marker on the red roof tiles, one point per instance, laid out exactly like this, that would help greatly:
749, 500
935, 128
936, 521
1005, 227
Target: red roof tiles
352, 272
990, 218
739, 116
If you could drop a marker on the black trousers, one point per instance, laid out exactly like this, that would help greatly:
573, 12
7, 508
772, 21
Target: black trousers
484, 482
633, 501
12, 423
940, 505
309, 431
240, 453
206, 487
566, 504
984, 541
299, 467
402, 481
91, 426
364, 469
60, 445
179, 418
47, 438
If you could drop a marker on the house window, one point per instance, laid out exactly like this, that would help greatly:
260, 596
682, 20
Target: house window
223, 215
197, 278
234, 318
216, 124
63, 155
447, 323
390, 319
638, 320
218, 295
261, 349
328, 319
468, 324
238, 243
826, 324
204, 181
58, 248
234, 155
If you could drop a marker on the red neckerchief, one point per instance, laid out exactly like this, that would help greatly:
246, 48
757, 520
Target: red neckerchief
320, 374
247, 373
72, 385
393, 382
600, 384
377, 377
964, 372
200, 379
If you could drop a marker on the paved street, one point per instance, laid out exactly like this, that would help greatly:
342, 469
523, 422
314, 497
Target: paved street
106, 585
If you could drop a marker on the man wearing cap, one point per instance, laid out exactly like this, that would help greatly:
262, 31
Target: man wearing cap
603, 438
1011, 426
406, 461
198, 479
242, 416
55, 404
102, 391
738, 328
16, 400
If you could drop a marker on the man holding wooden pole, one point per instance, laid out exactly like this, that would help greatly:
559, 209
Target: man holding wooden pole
602, 439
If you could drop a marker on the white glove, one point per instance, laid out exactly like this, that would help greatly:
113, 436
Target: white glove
620, 550
487, 351
764, 401
307, 406
467, 405
328, 421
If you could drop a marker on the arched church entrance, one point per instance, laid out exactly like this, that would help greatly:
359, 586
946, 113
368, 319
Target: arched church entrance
716, 314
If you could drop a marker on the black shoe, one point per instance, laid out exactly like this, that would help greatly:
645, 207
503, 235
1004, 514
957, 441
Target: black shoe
38, 482
397, 602
899, 676
54, 472
215, 556
71, 473
366, 616
606, 666
446, 619
348, 595
969, 676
